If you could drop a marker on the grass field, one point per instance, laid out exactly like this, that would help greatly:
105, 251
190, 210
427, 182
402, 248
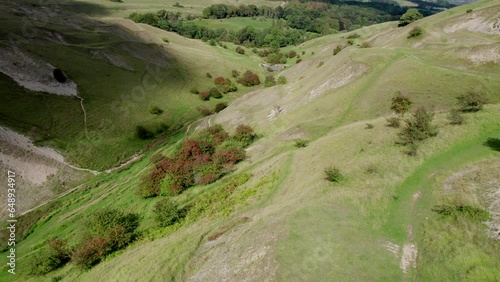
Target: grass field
286, 222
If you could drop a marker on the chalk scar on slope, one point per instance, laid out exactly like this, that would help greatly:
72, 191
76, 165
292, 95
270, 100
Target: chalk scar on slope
33, 73
347, 75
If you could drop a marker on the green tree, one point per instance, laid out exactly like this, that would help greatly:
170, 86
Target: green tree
410, 16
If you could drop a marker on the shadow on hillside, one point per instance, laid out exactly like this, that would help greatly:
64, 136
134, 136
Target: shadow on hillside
90, 9
493, 143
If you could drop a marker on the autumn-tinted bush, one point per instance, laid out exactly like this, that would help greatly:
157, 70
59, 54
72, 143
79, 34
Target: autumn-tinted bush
244, 134
292, 54
249, 79
204, 95
203, 159
219, 81
90, 252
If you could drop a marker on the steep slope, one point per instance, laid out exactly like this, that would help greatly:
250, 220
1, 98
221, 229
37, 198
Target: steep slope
286, 222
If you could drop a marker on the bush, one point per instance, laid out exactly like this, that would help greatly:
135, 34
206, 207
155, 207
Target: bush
415, 32
235, 73
292, 54
165, 39
219, 107
298, 61
244, 134
320, 64
212, 42
282, 80
219, 81
337, 50
143, 133
401, 104
49, 259
333, 174
353, 36
101, 222
215, 93
59, 75
455, 117
194, 90
270, 81
209, 75
240, 50
469, 11
90, 252
472, 101
166, 213
369, 126
365, 44
418, 128
410, 16
204, 95
394, 122
249, 79
204, 110
301, 143
155, 110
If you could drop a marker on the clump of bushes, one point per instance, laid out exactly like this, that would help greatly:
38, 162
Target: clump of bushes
301, 143
144, 133
215, 93
337, 50
240, 50
219, 107
166, 213
200, 160
204, 95
225, 85
235, 73
333, 174
393, 122
249, 79
455, 117
107, 231
418, 128
155, 110
59, 75
282, 80
415, 32
194, 90
50, 258
472, 101
270, 80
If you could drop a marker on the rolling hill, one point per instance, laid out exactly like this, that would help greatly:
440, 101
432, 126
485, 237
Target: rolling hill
275, 217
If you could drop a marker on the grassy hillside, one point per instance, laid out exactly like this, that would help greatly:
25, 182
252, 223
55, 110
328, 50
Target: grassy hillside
121, 72
275, 217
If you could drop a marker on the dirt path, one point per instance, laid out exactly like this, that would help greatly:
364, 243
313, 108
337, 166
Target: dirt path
84, 117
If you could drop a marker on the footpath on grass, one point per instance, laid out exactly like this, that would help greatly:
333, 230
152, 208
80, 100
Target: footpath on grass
414, 198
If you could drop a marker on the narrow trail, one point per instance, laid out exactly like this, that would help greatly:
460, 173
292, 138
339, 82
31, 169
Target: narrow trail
84, 117
415, 196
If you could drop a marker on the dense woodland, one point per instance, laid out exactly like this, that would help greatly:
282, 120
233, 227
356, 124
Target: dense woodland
292, 24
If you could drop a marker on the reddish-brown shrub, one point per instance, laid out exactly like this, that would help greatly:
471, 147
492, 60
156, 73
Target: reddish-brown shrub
204, 95
230, 156
219, 81
90, 252
249, 79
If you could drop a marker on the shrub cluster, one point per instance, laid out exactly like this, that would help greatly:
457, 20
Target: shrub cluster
108, 230
50, 258
249, 79
201, 160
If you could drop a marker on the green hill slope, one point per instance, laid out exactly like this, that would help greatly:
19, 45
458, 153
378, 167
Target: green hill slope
275, 217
